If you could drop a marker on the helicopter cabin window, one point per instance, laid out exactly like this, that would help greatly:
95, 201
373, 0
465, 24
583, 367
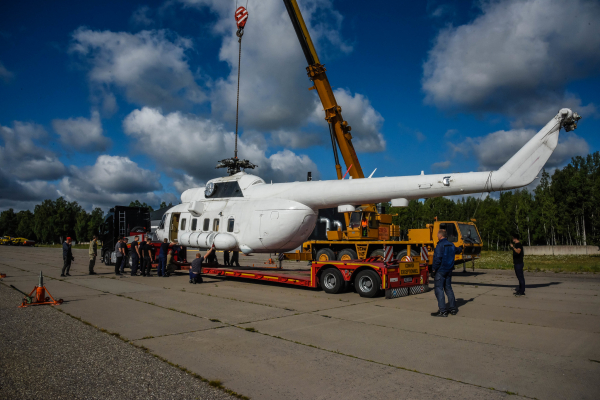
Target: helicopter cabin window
216, 225
182, 224
162, 222
194, 223
451, 231
206, 225
230, 224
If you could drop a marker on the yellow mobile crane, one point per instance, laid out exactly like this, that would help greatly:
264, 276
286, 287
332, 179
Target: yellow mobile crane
367, 229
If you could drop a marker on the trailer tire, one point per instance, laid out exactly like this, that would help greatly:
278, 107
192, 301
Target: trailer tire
325, 254
367, 283
378, 253
332, 281
347, 255
404, 252
107, 258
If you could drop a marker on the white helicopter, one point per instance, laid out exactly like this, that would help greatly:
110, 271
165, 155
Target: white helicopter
242, 212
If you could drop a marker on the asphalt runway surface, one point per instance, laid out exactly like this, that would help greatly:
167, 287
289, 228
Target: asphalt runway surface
267, 341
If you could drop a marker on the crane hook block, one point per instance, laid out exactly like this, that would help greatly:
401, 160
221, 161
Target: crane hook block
241, 17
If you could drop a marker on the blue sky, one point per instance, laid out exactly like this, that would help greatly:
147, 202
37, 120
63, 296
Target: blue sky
108, 102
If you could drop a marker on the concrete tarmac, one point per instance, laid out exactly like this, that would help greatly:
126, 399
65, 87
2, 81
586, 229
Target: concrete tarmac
270, 342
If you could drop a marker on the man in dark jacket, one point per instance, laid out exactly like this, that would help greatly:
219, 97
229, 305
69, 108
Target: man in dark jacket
67, 257
135, 256
518, 254
443, 263
119, 254
147, 252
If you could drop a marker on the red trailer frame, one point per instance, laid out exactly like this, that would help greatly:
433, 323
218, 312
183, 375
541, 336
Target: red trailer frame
396, 278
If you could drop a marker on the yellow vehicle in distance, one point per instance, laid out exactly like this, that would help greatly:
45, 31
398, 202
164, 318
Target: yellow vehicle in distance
22, 242
6, 240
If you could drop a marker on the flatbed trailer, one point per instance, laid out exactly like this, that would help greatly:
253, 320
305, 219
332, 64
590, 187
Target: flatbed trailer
369, 276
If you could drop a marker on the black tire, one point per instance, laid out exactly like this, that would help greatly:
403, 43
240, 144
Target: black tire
367, 283
325, 254
332, 281
378, 253
347, 255
107, 258
404, 252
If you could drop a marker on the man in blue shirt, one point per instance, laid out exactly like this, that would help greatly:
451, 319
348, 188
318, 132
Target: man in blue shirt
196, 268
443, 263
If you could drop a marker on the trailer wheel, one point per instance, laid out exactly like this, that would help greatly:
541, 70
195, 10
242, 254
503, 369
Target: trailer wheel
332, 281
403, 253
378, 253
325, 254
107, 258
367, 283
347, 255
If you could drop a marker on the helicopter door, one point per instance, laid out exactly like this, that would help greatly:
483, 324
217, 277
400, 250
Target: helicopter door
174, 227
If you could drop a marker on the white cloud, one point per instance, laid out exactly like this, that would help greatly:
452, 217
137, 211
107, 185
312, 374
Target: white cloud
141, 16
5, 74
186, 182
194, 145
111, 180
22, 158
516, 59
493, 150
81, 133
365, 121
441, 165
150, 67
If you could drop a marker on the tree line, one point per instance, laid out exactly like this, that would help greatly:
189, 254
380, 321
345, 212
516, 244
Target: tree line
562, 210
53, 221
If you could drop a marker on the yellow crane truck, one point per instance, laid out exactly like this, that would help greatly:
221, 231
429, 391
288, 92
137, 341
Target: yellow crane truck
368, 229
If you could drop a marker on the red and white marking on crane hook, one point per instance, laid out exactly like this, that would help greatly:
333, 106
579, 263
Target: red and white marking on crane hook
241, 17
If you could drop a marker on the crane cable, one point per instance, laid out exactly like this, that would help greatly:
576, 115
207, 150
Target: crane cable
241, 17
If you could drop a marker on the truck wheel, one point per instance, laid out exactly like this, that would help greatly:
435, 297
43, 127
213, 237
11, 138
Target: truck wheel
367, 283
378, 253
347, 255
332, 281
402, 253
107, 258
325, 254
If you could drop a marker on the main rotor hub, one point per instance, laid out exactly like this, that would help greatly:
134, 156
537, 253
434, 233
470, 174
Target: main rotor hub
235, 165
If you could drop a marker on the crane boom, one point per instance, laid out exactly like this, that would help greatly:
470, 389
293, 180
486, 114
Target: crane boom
340, 130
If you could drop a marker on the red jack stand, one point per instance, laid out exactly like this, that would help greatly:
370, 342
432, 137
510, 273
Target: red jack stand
40, 296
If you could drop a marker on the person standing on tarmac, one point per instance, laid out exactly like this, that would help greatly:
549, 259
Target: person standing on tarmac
443, 263
147, 249
518, 254
119, 252
93, 254
135, 256
67, 257
162, 257
125, 254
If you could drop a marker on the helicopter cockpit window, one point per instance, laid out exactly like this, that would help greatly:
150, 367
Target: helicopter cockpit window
226, 190
162, 222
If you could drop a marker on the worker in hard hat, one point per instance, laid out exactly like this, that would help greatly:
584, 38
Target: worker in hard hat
67, 257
